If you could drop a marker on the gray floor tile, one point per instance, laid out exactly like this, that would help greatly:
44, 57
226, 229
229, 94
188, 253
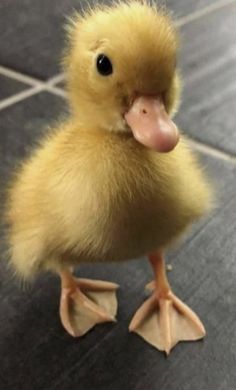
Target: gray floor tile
42, 356
32, 34
9, 87
209, 72
23, 123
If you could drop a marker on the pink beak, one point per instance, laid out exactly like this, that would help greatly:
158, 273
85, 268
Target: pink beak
151, 125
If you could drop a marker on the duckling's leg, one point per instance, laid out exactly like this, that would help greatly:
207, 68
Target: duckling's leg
85, 303
163, 320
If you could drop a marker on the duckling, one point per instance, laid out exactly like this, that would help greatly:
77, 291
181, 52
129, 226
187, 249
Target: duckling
116, 180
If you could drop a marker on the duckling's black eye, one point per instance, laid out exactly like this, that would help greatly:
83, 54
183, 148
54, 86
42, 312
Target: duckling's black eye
104, 65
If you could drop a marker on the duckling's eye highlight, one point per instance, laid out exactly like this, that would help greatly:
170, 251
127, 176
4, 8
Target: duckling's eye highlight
104, 65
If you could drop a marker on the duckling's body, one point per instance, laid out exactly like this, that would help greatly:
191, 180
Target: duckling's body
98, 196
114, 182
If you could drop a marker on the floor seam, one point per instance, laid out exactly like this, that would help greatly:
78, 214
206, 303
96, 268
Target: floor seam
56, 91
83, 359
56, 79
22, 77
8, 102
212, 151
182, 21
32, 89
31, 81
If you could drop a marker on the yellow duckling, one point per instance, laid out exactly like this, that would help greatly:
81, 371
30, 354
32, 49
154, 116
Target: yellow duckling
116, 180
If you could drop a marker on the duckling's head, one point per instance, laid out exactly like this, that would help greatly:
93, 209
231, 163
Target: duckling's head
121, 72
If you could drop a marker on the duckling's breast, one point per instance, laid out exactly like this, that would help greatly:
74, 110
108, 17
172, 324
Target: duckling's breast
142, 201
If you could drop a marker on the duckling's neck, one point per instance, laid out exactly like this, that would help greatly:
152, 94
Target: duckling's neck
110, 122
96, 134
93, 113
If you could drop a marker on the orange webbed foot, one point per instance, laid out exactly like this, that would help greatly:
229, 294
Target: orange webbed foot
85, 303
163, 319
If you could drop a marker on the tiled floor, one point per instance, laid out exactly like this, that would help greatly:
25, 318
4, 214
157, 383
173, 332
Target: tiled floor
36, 353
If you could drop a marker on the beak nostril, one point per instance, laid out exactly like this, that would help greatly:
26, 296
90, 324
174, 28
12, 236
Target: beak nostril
144, 111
